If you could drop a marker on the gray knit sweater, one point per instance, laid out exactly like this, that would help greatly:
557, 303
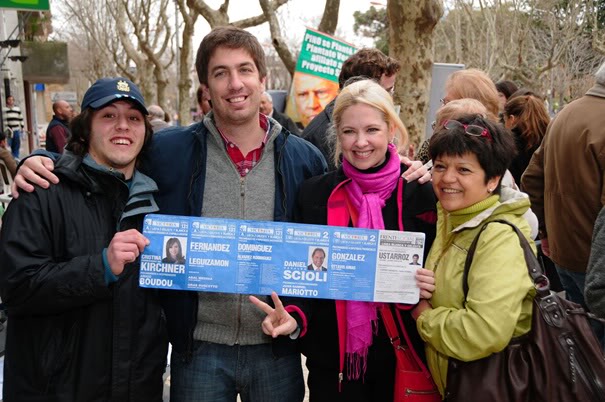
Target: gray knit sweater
594, 291
222, 317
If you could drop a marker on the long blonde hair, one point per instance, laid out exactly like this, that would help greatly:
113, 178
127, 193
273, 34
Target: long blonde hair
367, 92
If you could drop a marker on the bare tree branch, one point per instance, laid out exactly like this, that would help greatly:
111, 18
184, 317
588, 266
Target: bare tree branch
257, 19
214, 17
276, 38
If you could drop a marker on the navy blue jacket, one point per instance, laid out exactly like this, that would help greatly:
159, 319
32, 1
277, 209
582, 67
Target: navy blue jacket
177, 163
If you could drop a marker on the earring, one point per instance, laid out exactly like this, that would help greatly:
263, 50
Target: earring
490, 190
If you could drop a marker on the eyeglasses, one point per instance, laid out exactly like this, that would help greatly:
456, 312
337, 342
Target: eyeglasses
443, 101
470, 129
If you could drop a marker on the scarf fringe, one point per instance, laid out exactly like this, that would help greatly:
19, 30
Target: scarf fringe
357, 364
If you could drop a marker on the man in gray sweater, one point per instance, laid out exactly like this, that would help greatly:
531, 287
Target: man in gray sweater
594, 292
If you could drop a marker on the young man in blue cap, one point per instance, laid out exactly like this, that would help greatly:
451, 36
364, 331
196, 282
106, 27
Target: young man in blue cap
81, 328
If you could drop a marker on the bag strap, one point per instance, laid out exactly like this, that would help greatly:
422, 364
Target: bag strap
390, 326
552, 309
541, 282
398, 335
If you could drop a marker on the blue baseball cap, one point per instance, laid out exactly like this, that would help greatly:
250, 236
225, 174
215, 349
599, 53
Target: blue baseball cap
108, 90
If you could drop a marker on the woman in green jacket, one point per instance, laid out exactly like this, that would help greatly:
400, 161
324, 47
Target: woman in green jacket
470, 156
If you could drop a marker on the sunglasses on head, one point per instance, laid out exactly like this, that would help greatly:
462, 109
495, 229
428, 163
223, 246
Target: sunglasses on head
470, 129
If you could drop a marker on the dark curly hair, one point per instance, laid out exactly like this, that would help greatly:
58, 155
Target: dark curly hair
370, 63
494, 155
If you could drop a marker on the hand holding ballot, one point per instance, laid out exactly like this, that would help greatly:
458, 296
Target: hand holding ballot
278, 321
125, 247
425, 279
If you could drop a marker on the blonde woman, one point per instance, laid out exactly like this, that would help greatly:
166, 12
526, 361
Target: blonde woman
349, 355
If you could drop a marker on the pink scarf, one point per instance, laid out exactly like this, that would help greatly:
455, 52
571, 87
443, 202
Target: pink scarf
368, 193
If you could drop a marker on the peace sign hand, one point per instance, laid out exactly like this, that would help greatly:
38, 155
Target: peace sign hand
278, 321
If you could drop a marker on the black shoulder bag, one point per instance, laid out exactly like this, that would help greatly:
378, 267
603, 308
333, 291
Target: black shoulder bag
559, 359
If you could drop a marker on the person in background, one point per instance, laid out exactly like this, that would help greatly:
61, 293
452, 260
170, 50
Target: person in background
594, 289
366, 191
266, 108
475, 84
6, 155
565, 182
369, 63
157, 118
203, 105
14, 120
468, 84
449, 111
81, 328
505, 89
470, 155
527, 118
57, 131
311, 95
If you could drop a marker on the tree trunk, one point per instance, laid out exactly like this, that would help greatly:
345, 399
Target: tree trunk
185, 57
411, 25
329, 20
277, 40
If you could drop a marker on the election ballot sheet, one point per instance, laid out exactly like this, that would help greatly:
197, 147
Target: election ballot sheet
257, 257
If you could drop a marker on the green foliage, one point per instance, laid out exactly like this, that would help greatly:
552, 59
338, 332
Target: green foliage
373, 23
35, 24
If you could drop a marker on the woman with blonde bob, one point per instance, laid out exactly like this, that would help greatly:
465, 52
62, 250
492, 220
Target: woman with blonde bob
451, 110
475, 84
466, 84
349, 355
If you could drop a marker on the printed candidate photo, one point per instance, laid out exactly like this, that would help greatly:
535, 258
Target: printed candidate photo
173, 250
308, 96
415, 259
317, 259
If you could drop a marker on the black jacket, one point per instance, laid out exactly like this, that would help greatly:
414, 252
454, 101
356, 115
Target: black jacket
521, 160
320, 344
285, 122
317, 134
73, 337
57, 133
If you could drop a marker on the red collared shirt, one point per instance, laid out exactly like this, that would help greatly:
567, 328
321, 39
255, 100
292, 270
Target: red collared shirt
244, 164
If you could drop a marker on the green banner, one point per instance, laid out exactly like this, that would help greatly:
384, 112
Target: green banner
322, 55
315, 81
39, 5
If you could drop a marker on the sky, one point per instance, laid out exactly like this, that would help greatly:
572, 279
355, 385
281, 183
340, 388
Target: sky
295, 16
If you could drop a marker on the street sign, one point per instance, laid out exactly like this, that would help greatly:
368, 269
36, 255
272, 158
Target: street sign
29, 5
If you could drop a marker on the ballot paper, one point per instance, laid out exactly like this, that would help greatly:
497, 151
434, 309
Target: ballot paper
259, 257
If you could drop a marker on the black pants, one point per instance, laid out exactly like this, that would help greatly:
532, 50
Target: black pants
376, 386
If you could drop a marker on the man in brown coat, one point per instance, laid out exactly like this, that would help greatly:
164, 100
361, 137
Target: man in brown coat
565, 182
